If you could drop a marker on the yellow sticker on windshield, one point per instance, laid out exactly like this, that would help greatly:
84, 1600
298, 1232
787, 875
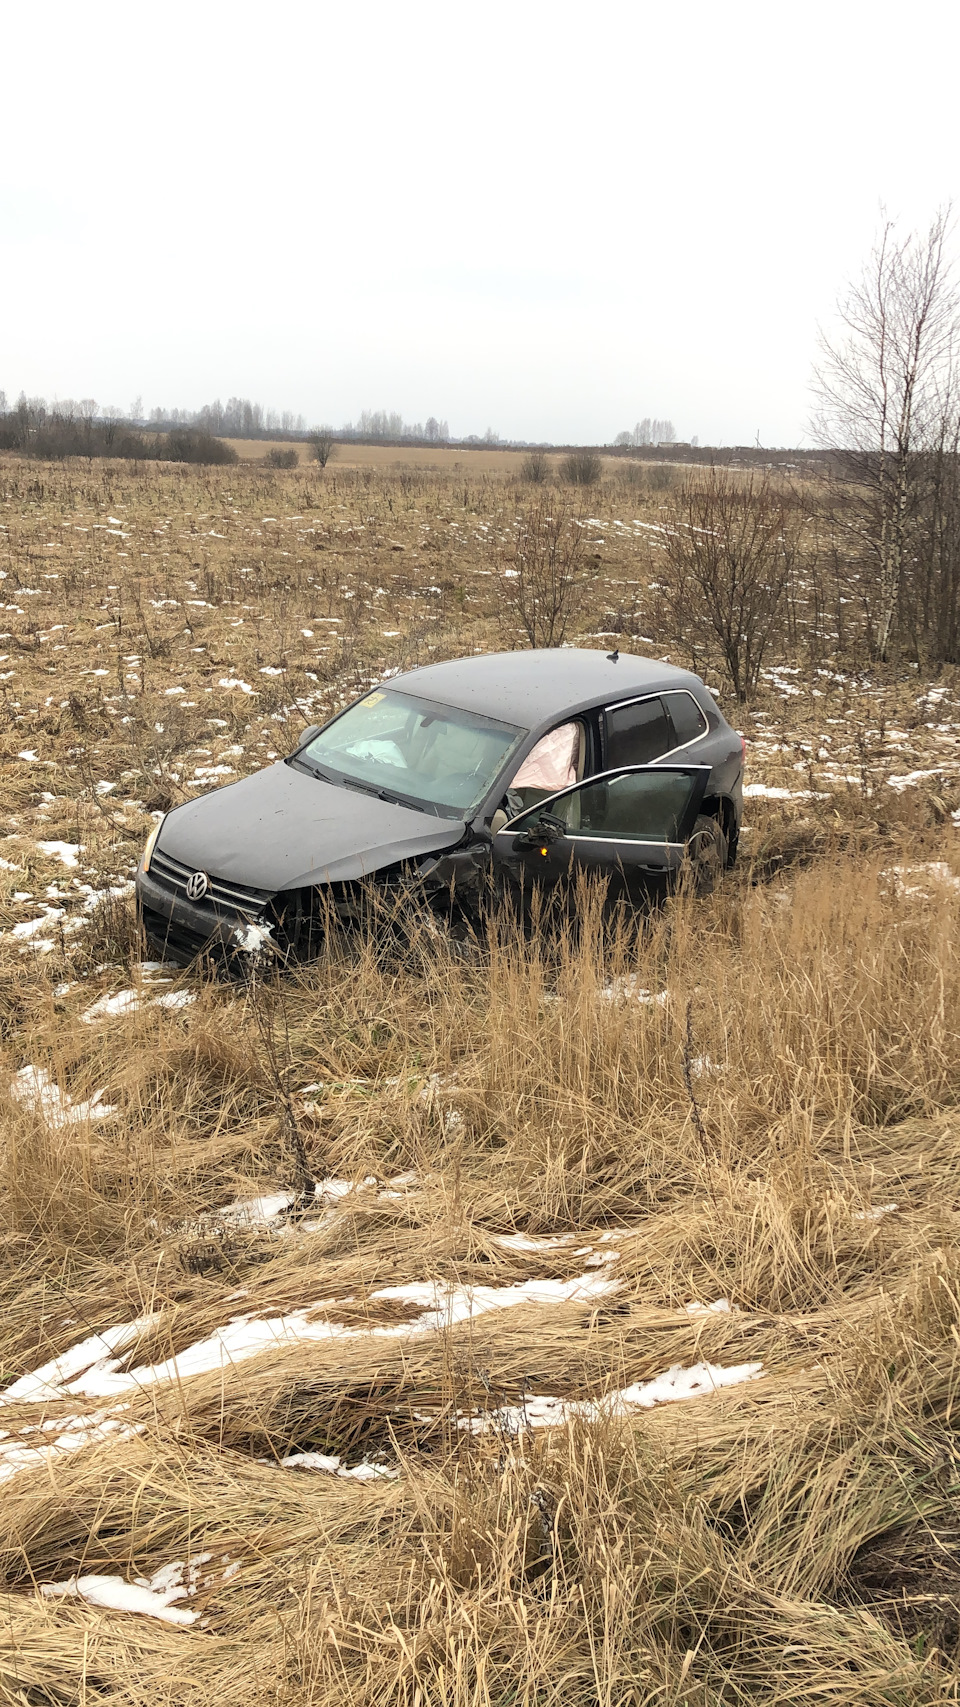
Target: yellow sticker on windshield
372, 699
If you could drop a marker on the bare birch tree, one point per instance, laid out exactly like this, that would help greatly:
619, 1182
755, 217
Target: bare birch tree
886, 392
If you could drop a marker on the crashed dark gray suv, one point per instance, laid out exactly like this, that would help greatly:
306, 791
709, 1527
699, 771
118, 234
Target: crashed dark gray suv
500, 772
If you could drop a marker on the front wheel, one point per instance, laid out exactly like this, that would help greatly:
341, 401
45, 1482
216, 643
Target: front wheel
706, 856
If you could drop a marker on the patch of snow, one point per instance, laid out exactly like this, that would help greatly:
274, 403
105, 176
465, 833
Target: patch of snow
178, 1580
92, 1357
523, 1241
676, 1386
110, 1007
763, 790
877, 1214
77, 1432
234, 682
35, 1089
88, 1369
65, 851
701, 1067
937, 869
29, 927
257, 1211
629, 988
333, 1466
120, 1596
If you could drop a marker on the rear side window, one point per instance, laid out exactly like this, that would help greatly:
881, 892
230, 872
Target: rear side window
685, 715
637, 733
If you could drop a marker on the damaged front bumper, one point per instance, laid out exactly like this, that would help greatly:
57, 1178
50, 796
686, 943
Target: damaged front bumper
183, 931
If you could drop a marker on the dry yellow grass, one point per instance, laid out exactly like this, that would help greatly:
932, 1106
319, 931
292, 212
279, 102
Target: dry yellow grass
392, 459
791, 1539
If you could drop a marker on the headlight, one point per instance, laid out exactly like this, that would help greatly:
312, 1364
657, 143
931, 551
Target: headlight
151, 844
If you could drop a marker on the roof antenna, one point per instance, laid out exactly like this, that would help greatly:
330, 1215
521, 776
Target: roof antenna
612, 657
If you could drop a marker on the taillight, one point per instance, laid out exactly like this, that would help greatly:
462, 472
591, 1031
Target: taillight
743, 750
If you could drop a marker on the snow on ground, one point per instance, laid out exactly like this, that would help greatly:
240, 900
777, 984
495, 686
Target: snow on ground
899, 783
34, 1088
68, 852
152, 1597
120, 1596
333, 1466
96, 1353
93, 1369
39, 1446
936, 870
263, 1211
538, 1410
129, 1001
29, 927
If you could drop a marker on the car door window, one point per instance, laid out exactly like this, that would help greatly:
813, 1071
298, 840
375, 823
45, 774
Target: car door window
637, 733
686, 716
642, 805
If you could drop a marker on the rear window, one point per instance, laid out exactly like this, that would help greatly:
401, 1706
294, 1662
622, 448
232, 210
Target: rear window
637, 733
685, 715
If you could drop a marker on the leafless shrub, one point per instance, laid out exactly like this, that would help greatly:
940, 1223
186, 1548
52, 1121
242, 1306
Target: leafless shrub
189, 444
277, 458
581, 468
650, 476
732, 550
545, 571
323, 445
535, 468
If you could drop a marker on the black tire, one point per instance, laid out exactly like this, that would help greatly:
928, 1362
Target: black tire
706, 855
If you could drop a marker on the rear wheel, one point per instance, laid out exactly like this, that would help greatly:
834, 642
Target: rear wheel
706, 855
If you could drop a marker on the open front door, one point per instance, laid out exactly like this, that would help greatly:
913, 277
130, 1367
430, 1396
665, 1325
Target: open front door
631, 825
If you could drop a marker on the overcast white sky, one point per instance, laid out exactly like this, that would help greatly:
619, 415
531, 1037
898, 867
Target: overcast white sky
551, 219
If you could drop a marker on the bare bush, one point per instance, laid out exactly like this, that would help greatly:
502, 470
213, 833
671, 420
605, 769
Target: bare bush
732, 551
581, 468
535, 468
189, 444
323, 445
277, 458
545, 571
650, 476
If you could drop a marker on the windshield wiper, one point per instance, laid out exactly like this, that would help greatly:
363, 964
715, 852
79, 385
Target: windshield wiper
314, 770
372, 788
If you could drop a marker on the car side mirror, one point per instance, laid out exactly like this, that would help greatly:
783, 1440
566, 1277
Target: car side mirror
308, 735
546, 829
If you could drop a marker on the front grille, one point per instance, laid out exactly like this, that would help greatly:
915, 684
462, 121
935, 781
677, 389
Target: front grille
223, 895
173, 941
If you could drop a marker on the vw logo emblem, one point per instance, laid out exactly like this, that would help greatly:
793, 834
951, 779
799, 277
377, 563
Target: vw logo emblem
197, 886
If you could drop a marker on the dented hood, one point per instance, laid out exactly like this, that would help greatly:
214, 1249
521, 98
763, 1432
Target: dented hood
282, 829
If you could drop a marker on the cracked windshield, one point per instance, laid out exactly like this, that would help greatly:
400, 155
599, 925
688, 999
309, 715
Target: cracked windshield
413, 750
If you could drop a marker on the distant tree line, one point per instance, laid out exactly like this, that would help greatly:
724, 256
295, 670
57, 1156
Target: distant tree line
388, 424
68, 428
649, 431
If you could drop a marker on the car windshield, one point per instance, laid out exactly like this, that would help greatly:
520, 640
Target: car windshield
413, 750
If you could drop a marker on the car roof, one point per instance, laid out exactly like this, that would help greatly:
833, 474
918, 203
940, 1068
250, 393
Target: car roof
530, 688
